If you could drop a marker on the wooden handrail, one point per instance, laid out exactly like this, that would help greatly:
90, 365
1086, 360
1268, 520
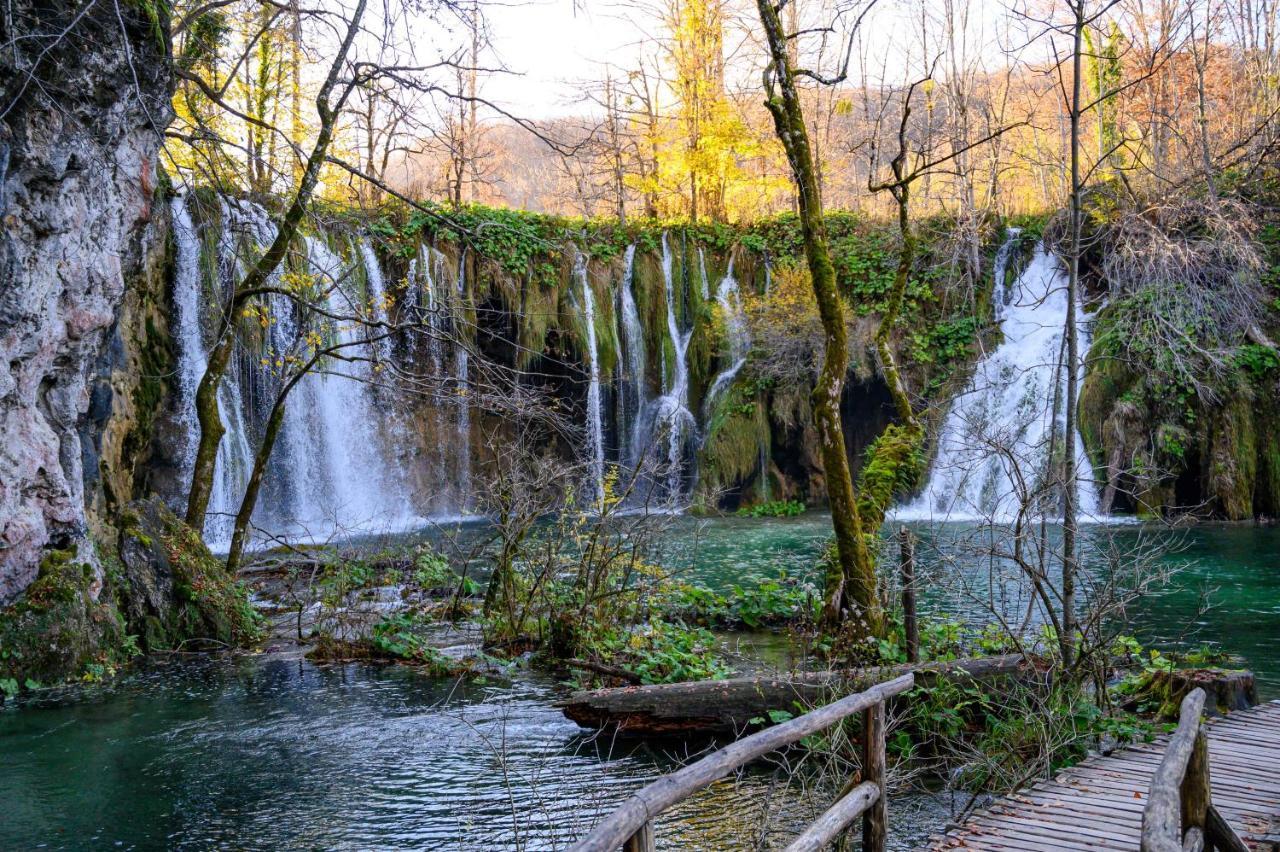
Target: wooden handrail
631, 824
1180, 816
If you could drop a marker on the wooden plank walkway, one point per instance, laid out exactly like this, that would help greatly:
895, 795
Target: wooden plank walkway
1097, 804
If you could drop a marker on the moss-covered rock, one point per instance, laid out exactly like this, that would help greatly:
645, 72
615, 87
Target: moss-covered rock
172, 591
61, 627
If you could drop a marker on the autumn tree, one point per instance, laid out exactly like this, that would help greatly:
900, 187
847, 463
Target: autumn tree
850, 585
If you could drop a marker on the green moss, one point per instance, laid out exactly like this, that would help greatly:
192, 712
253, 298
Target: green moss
1233, 457
58, 630
738, 430
175, 593
895, 462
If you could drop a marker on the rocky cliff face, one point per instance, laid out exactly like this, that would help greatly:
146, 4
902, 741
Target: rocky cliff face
82, 103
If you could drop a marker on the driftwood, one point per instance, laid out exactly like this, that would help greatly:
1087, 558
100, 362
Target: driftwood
731, 705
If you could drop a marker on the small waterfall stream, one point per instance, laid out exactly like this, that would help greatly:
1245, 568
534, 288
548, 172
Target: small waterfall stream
633, 395
462, 377
1006, 428
376, 296
595, 421
739, 338
672, 418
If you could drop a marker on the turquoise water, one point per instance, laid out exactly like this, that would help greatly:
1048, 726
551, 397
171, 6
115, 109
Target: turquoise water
1224, 590
283, 754
274, 753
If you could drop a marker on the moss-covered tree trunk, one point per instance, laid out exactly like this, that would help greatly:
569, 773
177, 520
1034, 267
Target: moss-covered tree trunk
255, 283
850, 585
1067, 641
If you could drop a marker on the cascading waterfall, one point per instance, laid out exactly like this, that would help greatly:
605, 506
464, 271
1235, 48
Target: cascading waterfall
1007, 427
377, 298
328, 473
1001, 293
234, 457
595, 422
331, 471
357, 487
739, 338
462, 375
632, 398
672, 417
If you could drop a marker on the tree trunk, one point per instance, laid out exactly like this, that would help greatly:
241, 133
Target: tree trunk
850, 593
254, 282
732, 705
1067, 639
250, 499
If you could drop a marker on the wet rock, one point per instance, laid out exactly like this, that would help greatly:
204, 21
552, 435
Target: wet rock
84, 95
174, 593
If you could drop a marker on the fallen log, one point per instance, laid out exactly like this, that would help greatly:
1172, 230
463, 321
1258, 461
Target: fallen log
732, 705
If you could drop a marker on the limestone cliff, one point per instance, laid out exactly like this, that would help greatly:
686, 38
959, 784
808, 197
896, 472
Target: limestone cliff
84, 94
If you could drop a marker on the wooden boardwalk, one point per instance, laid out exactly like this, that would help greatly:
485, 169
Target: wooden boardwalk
1098, 803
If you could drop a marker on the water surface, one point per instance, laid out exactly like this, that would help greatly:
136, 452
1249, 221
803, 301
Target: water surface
277, 753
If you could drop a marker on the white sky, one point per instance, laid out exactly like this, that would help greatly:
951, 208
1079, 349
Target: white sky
551, 47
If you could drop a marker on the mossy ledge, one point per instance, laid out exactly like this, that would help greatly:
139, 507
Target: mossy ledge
162, 590
174, 593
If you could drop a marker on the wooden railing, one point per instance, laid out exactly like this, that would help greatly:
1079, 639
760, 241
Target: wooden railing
631, 825
1180, 816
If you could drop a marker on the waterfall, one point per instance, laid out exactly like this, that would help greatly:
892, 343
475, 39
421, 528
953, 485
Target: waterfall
739, 338
333, 419
671, 417
327, 474
702, 270
1009, 420
376, 296
1000, 292
231, 472
595, 424
632, 396
462, 375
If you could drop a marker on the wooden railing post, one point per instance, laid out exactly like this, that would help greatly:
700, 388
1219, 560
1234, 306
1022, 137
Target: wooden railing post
1194, 790
909, 625
641, 841
876, 817
1179, 815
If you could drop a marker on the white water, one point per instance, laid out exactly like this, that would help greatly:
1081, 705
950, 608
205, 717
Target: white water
739, 338
632, 396
231, 470
672, 417
376, 296
1002, 430
328, 475
1001, 293
462, 374
354, 488
595, 422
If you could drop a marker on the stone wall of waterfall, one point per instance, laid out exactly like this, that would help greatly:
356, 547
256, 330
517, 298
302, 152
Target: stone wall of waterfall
386, 436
